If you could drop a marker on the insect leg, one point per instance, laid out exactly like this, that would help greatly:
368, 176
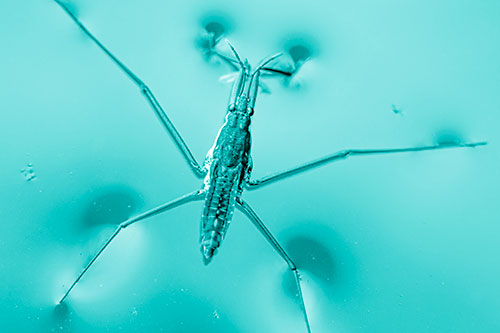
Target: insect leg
254, 218
343, 154
196, 195
153, 102
233, 64
276, 71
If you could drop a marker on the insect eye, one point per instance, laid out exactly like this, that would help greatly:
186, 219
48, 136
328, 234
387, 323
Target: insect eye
250, 111
232, 107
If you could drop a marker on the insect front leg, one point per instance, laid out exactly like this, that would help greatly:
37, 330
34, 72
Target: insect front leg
153, 102
343, 154
254, 218
196, 195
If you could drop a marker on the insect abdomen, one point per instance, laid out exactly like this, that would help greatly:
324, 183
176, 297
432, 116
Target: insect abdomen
217, 214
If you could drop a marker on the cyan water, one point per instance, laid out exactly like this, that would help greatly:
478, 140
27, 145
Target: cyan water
400, 243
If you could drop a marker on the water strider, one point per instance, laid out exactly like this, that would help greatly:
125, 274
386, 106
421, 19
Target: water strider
228, 165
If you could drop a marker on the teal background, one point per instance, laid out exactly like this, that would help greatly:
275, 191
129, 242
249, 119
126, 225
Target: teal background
402, 243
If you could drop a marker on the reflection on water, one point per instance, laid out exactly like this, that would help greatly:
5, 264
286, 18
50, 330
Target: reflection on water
182, 312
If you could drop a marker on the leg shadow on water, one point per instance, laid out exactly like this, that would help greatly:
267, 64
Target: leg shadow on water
110, 205
61, 318
448, 137
321, 254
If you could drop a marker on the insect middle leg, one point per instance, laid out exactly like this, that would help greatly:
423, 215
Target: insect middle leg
196, 195
153, 102
343, 154
254, 218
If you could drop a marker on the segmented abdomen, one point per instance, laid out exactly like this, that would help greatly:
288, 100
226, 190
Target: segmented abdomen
218, 211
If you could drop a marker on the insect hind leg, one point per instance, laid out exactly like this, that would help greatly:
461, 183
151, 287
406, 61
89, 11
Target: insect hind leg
254, 218
148, 94
196, 195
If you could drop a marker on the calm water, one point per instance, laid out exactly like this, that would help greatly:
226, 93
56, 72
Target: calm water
402, 243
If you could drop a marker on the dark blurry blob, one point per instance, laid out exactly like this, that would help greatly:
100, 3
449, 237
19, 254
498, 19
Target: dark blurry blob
448, 137
312, 257
214, 28
331, 265
300, 50
61, 318
110, 205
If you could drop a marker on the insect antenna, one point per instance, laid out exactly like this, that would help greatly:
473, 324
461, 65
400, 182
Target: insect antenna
236, 54
266, 61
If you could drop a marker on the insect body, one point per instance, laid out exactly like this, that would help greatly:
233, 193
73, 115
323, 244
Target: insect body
228, 165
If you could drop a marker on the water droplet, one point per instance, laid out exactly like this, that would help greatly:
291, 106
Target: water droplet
397, 110
28, 172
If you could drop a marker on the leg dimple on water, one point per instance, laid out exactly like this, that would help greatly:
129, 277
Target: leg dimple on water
299, 53
213, 28
448, 137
